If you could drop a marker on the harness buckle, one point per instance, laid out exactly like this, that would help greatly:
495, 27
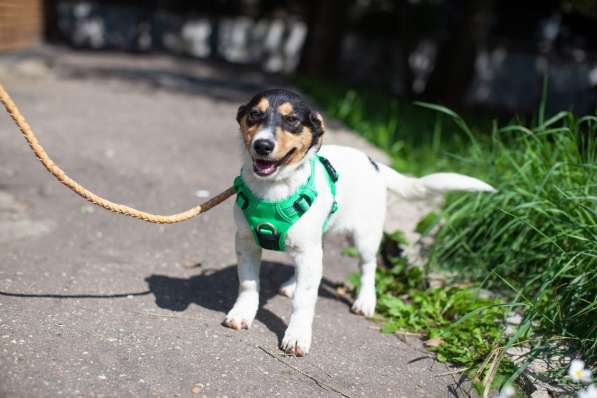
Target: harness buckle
302, 204
334, 207
241, 200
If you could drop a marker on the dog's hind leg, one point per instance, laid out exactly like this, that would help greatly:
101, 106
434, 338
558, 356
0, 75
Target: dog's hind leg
367, 244
287, 289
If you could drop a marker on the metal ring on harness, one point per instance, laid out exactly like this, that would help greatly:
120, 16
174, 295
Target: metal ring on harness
268, 235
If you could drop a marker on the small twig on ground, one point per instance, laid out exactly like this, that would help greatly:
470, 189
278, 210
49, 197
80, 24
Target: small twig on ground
398, 332
482, 367
320, 383
161, 315
343, 293
487, 381
452, 372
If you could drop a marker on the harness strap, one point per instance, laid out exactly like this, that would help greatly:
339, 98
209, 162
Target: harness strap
270, 221
332, 178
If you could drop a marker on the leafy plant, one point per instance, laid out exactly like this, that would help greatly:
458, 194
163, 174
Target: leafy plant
350, 251
464, 325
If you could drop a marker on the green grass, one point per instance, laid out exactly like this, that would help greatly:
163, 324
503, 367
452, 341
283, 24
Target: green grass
534, 242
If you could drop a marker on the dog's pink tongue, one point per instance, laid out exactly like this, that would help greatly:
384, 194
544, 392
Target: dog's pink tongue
264, 166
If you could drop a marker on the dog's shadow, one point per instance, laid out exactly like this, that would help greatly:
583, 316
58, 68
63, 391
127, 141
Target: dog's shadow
217, 290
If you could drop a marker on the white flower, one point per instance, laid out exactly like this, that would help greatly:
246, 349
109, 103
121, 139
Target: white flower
577, 371
589, 392
507, 391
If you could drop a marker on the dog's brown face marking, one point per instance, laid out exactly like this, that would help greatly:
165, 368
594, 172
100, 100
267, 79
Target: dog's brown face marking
248, 131
282, 118
285, 109
263, 104
288, 141
251, 122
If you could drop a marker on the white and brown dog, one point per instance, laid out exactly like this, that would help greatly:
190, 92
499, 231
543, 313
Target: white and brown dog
280, 135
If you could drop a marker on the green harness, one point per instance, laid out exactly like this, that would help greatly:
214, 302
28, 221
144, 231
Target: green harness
270, 221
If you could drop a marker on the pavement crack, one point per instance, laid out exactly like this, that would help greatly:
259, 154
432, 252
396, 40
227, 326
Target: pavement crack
319, 383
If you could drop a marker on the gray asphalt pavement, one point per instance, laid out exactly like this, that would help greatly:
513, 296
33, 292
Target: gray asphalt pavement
94, 304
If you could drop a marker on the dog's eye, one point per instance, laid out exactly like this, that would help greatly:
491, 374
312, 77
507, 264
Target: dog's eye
291, 119
255, 115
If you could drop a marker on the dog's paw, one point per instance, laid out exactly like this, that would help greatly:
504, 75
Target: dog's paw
239, 317
297, 341
364, 305
287, 289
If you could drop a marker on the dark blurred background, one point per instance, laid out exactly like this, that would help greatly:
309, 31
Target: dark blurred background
463, 53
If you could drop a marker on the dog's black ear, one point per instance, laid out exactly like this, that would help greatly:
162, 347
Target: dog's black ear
318, 128
241, 112
317, 123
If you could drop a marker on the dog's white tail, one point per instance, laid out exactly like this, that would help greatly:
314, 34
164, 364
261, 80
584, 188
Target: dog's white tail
433, 184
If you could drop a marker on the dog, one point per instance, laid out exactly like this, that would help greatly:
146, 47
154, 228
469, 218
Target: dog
281, 138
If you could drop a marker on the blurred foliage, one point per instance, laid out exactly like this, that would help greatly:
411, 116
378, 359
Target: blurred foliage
586, 8
417, 142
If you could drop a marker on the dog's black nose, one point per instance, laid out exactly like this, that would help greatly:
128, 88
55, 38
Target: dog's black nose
263, 147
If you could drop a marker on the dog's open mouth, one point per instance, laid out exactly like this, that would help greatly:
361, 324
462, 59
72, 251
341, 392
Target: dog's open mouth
267, 167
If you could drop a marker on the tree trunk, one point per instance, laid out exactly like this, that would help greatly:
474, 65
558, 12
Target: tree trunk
455, 62
407, 40
325, 23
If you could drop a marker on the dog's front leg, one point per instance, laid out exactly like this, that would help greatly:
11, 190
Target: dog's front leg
297, 339
249, 261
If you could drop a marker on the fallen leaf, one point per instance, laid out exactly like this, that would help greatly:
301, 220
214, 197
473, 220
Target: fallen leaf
191, 264
434, 342
197, 388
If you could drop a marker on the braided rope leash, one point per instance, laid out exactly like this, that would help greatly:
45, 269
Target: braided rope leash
61, 176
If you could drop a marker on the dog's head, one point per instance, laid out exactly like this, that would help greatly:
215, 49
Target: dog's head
278, 131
